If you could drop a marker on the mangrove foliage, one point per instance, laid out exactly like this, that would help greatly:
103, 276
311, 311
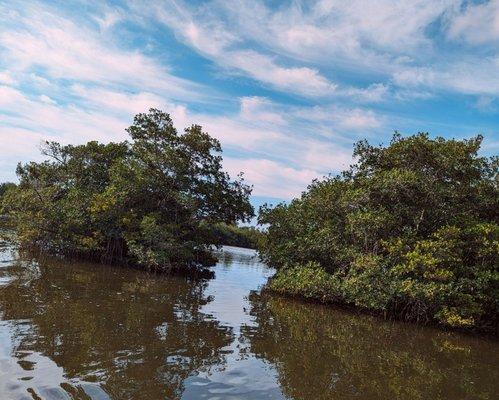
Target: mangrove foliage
239, 236
152, 201
4, 187
410, 230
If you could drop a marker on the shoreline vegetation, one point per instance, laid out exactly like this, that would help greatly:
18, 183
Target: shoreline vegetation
410, 231
151, 202
247, 237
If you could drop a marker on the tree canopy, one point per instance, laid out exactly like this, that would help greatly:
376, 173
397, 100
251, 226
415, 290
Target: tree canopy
151, 201
410, 230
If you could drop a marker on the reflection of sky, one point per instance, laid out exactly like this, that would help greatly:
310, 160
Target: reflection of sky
5, 260
232, 284
32, 369
242, 376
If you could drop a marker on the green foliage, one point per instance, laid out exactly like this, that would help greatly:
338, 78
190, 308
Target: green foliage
240, 236
310, 281
4, 188
410, 230
150, 202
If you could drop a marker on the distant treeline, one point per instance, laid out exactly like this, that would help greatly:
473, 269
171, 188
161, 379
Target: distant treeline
240, 236
411, 231
155, 201
4, 187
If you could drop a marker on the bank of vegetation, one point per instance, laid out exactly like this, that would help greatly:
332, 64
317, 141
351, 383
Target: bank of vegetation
4, 187
155, 201
410, 231
240, 236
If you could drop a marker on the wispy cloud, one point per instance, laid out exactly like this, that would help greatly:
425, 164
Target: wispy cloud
253, 130
264, 174
359, 33
477, 24
39, 39
212, 39
211, 36
472, 75
67, 123
384, 39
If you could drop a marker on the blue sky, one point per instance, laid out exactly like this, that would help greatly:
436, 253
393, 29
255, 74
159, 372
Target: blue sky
287, 87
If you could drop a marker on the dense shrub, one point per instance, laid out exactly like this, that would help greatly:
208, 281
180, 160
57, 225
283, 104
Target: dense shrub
410, 230
151, 202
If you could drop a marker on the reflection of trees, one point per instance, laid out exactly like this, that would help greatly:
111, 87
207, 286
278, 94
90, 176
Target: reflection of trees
141, 336
321, 353
237, 255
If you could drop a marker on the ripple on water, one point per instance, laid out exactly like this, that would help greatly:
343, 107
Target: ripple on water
73, 330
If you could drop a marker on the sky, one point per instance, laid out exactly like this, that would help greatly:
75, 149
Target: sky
287, 86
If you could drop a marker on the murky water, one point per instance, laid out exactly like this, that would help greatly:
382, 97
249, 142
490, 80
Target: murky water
86, 331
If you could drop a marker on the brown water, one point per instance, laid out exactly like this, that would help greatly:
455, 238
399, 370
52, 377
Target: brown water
85, 331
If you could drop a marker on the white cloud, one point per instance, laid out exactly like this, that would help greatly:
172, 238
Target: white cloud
109, 18
123, 102
357, 33
19, 143
46, 99
471, 76
303, 80
358, 119
326, 157
485, 104
84, 87
212, 39
68, 79
271, 178
424, 76
70, 51
39, 81
313, 159
259, 108
477, 24
6, 78
374, 93
258, 130
239, 134
348, 120
69, 124
289, 47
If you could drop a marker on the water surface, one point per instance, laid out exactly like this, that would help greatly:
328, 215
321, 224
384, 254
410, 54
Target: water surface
72, 330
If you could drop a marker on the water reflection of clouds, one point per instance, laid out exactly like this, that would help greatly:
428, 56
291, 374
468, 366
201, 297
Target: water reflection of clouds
82, 330
242, 376
31, 369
